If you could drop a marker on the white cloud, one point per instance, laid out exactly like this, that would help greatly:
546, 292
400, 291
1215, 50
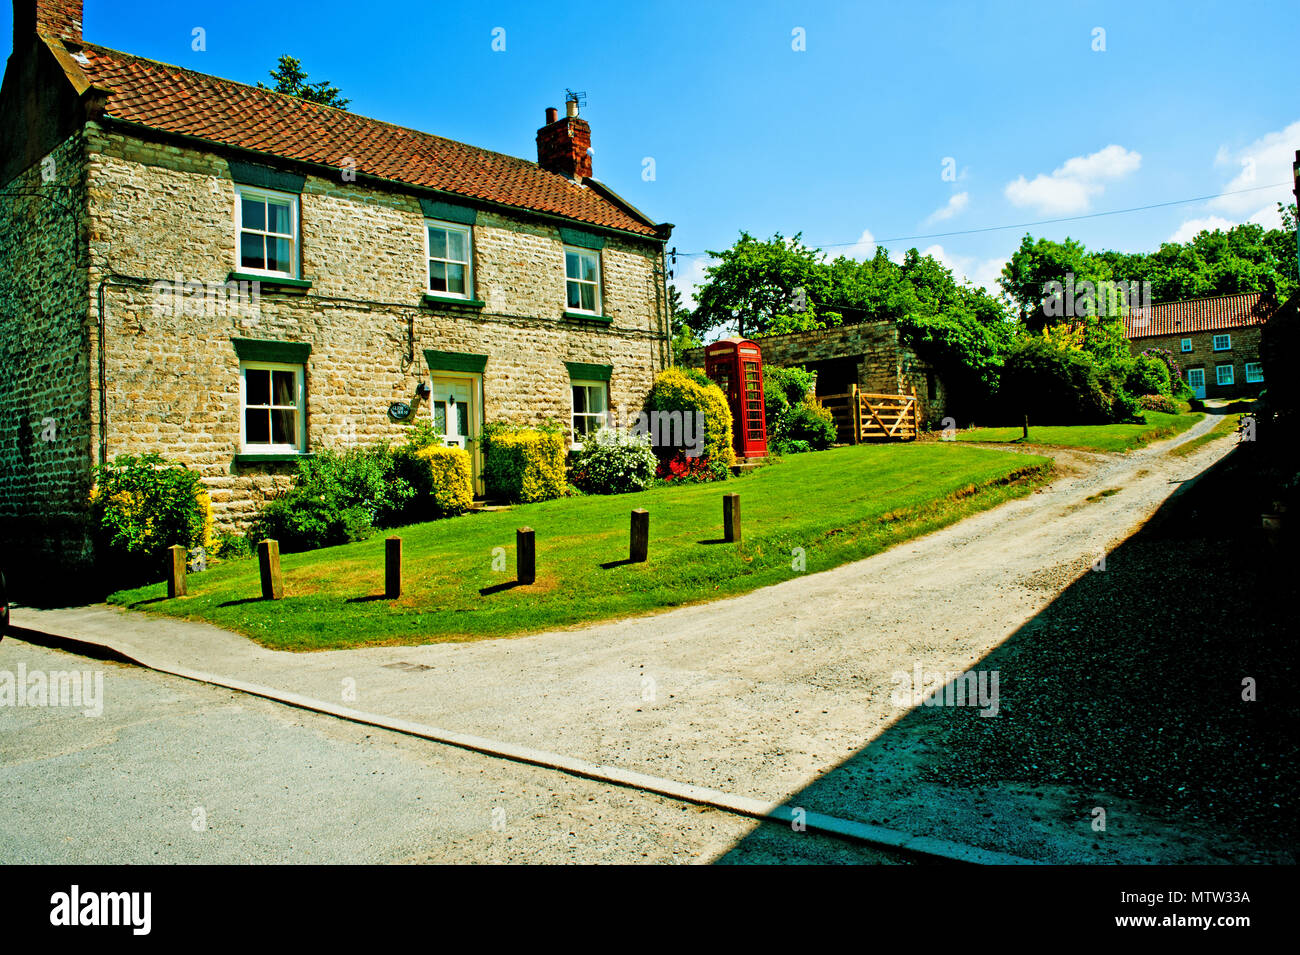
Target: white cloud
982, 273
1264, 162
1266, 217
954, 205
861, 250
1193, 227
1070, 187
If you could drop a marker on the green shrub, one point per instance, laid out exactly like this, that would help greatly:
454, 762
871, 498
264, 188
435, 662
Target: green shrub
1054, 385
450, 479
674, 390
1157, 403
300, 522
336, 498
523, 465
783, 387
140, 506
1148, 375
230, 546
614, 462
806, 425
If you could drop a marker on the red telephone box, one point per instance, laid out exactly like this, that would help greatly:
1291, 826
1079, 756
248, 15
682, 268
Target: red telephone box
736, 365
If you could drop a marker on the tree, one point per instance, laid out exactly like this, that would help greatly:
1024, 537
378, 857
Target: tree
754, 284
291, 78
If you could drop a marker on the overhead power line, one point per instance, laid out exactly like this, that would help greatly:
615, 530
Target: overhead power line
1026, 225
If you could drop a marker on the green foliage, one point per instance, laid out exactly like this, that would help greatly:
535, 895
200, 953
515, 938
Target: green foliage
783, 387
756, 284
1245, 258
140, 506
803, 426
614, 462
291, 78
230, 546
676, 390
1148, 375
1054, 385
336, 498
523, 465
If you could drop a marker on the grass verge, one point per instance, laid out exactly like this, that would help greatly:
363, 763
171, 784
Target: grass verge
1093, 437
808, 513
1222, 428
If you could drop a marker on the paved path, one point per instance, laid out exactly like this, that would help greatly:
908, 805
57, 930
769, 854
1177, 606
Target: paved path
756, 695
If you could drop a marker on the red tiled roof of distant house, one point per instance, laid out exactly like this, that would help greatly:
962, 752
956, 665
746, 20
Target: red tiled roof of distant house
1198, 315
179, 101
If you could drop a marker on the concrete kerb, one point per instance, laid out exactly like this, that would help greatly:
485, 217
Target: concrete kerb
925, 847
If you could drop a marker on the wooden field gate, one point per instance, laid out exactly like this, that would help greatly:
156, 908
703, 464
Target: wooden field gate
862, 416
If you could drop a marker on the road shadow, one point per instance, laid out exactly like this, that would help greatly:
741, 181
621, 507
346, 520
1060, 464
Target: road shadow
1120, 704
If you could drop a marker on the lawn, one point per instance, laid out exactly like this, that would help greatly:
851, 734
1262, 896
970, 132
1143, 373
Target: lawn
1094, 437
822, 509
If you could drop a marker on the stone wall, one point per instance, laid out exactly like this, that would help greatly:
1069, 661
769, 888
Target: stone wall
884, 364
46, 343
1245, 348
162, 212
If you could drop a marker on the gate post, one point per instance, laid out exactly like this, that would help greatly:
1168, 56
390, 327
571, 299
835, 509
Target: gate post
855, 414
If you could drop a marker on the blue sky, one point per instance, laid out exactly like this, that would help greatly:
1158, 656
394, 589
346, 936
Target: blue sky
844, 140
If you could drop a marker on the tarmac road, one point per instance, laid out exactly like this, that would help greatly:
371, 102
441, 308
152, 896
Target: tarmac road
175, 771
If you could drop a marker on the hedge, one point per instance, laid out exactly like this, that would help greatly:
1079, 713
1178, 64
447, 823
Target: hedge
522, 465
451, 486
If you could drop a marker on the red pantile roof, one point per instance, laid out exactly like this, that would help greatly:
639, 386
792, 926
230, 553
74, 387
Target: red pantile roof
1198, 315
179, 101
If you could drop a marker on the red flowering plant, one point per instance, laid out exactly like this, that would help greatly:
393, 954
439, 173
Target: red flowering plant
678, 468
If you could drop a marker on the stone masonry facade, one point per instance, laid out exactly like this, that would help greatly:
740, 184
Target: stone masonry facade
46, 345
155, 211
877, 360
1243, 350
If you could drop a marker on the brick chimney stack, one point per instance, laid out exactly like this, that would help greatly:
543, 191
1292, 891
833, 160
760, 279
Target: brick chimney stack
60, 18
563, 144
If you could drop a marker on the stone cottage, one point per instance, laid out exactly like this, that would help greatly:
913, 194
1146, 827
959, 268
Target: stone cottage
1214, 340
235, 278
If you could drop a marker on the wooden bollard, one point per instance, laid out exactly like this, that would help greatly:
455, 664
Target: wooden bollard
1025, 435
731, 518
525, 556
176, 571
640, 547
268, 559
393, 568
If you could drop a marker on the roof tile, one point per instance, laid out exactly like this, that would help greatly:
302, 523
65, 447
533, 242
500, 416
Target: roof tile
174, 100
1198, 315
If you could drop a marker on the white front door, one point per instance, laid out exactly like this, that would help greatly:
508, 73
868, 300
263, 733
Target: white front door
1196, 381
457, 418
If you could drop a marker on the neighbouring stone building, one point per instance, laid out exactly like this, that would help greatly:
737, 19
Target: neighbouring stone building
869, 354
1214, 340
235, 278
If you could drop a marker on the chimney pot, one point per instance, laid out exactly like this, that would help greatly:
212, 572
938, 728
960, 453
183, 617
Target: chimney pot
571, 108
552, 114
